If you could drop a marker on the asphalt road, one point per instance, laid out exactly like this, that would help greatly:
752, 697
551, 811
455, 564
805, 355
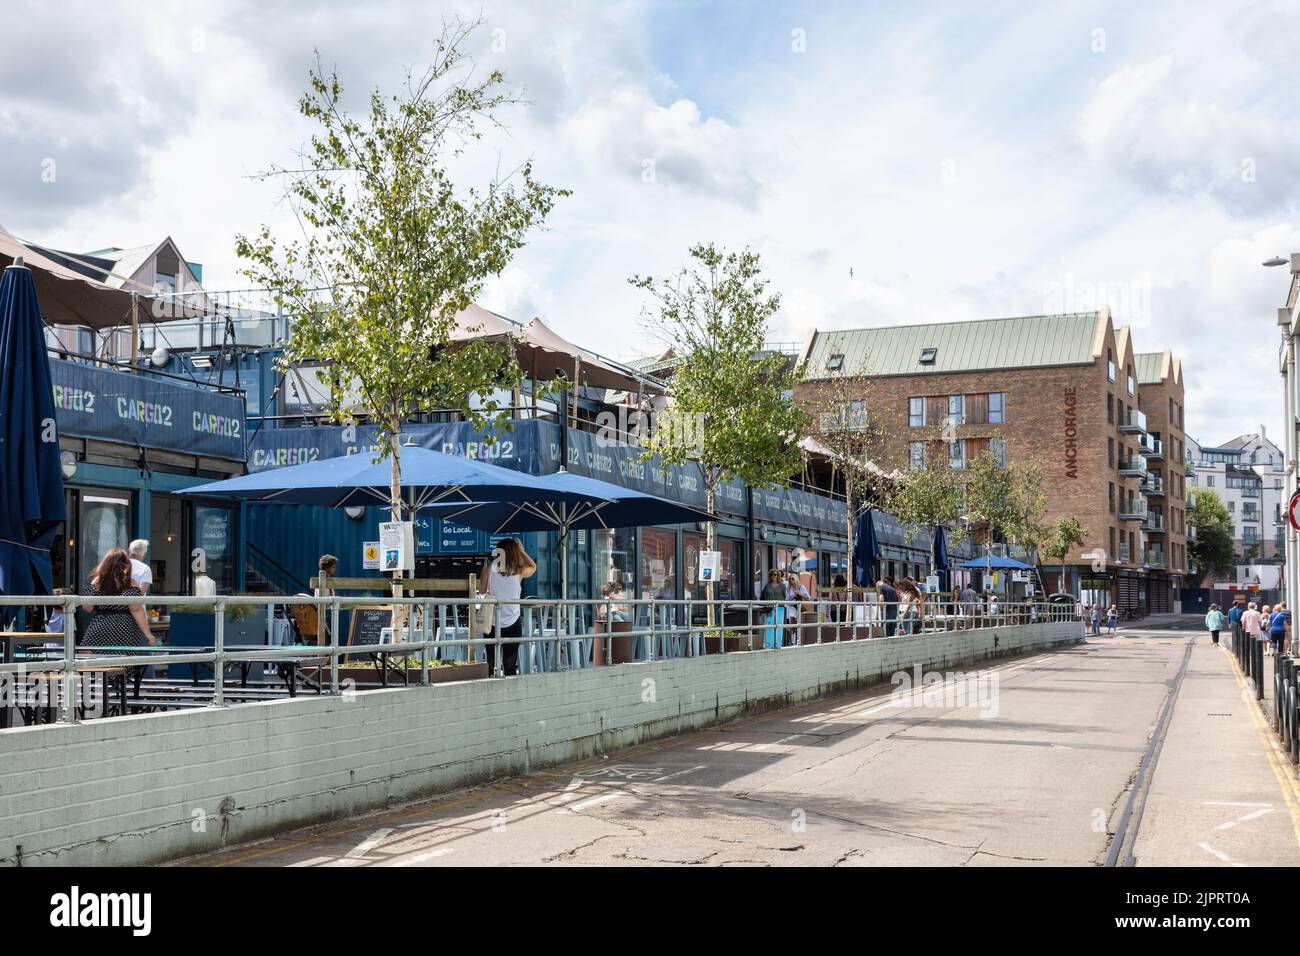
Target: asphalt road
1037, 760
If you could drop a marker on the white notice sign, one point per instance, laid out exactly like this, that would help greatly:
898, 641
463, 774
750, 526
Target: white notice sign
710, 562
396, 546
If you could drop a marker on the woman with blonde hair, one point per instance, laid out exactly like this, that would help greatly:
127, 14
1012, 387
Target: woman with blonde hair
502, 577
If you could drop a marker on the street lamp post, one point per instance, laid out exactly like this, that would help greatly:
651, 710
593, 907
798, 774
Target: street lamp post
1288, 319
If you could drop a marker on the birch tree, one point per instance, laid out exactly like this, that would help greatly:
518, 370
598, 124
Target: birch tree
390, 249
843, 422
930, 495
732, 407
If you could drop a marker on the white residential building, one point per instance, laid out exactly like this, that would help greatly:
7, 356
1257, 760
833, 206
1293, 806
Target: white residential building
1249, 473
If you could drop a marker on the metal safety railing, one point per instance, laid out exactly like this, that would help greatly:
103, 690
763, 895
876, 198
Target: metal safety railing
43, 672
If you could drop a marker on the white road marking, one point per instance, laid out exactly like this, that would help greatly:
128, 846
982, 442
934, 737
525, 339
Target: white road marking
1250, 816
421, 857
1235, 803
368, 844
1219, 854
314, 861
594, 800
680, 773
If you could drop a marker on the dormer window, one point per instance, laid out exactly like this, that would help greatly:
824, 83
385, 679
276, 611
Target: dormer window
835, 362
928, 356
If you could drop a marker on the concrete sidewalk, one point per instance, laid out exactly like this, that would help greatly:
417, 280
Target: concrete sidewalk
1223, 793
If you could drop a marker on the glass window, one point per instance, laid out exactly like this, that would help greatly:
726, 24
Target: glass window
999, 449
658, 564
692, 545
915, 455
957, 453
729, 551
168, 554
1130, 381
1110, 409
760, 563
956, 409
105, 524
916, 412
613, 569
215, 534
1110, 366
997, 408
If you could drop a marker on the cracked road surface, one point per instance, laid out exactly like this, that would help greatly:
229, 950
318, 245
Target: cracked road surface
1031, 766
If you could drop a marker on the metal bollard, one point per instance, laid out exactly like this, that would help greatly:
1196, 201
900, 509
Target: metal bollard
1286, 688
1278, 696
1259, 670
1293, 715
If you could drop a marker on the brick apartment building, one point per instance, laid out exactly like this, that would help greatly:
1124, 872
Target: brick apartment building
1067, 392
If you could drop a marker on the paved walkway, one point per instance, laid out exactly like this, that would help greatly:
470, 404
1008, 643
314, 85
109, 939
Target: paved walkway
1223, 791
1033, 765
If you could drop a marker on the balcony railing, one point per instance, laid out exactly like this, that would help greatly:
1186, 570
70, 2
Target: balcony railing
1133, 421
1153, 485
1123, 554
1154, 521
1150, 447
1154, 559
1134, 466
1134, 510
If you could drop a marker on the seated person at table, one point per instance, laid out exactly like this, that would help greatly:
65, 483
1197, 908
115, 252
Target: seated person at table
115, 625
613, 593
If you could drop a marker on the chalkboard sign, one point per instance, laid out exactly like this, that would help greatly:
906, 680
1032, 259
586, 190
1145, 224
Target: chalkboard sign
368, 623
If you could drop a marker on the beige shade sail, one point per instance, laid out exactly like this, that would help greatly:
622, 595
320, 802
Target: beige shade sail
550, 351
541, 350
812, 446
70, 298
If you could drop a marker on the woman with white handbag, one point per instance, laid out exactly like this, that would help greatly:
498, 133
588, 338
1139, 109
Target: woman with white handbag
502, 577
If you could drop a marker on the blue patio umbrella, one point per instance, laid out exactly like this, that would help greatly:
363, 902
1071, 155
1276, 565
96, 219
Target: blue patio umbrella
569, 502
427, 477
941, 560
996, 563
866, 550
31, 472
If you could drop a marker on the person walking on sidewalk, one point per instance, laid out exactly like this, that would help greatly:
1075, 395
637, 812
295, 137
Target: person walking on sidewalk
1277, 628
1096, 620
1234, 622
1112, 620
1214, 623
1251, 623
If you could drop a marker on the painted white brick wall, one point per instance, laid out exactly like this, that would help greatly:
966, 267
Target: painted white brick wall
124, 790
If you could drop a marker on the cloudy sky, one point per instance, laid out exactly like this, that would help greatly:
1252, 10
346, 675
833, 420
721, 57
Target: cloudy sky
893, 162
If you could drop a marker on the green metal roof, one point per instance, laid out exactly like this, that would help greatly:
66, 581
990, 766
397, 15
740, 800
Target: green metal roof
975, 345
1149, 366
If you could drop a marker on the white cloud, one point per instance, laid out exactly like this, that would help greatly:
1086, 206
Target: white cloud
961, 164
